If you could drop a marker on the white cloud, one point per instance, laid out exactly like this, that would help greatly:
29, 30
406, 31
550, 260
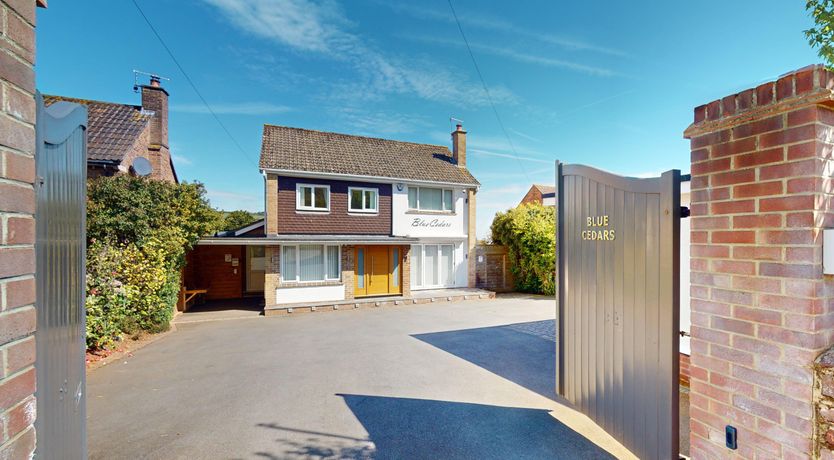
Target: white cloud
474, 20
321, 29
180, 160
377, 123
519, 56
301, 24
235, 108
230, 201
509, 155
525, 136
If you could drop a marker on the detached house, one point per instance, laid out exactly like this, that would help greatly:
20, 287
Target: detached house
347, 217
126, 138
542, 194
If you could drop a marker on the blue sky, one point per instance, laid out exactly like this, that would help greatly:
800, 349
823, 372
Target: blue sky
612, 86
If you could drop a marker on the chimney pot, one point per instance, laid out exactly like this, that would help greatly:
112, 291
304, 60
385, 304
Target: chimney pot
155, 81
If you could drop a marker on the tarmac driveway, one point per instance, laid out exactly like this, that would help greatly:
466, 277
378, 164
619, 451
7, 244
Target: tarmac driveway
463, 380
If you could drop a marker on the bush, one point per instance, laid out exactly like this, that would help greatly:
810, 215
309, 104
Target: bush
138, 231
529, 232
125, 209
238, 219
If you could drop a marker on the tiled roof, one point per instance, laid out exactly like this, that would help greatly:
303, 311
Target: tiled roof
112, 128
545, 188
304, 150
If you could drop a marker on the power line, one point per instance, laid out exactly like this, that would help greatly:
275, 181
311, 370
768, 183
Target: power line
486, 90
193, 86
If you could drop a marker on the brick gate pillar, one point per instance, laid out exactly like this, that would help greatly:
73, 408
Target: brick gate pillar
761, 307
18, 317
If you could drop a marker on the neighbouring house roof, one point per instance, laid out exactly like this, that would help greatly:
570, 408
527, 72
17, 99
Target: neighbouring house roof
303, 150
112, 128
242, 231
545, 189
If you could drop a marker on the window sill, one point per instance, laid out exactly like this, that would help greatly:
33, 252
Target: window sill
297, 284
312, 211
363, 213
431, 213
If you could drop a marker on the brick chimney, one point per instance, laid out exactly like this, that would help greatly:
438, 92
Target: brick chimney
155, 99
459, 146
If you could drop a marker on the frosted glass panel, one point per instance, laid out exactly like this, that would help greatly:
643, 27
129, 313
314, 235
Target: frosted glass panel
288, 261
431, 265
312, 262
360, 268
396, 271
446, 264
447, 200
412, 197
333, 262
416, 265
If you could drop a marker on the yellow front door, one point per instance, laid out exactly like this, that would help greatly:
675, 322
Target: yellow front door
377, 270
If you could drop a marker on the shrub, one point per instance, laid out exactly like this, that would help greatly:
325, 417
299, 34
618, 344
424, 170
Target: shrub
529, 232
126, 209
238, 219
138, 231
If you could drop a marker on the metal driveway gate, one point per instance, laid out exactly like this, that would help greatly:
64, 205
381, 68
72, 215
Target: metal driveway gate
617, 304
60, 251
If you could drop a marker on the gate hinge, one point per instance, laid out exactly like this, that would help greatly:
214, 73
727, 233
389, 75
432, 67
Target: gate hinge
685, 212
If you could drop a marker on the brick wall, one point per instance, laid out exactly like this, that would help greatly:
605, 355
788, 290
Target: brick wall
338, 220
17, 229
761, 308
472, 239
272, 274
534, 195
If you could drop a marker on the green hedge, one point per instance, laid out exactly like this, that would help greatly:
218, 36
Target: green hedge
138, 232
529, 233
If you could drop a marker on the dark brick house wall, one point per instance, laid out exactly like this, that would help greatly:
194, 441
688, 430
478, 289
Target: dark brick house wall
338, 220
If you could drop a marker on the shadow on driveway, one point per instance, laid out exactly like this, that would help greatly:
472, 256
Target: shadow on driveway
428, 429
521, 352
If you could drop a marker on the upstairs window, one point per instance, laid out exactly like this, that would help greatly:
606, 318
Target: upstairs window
431, 199
363, 199
312, 197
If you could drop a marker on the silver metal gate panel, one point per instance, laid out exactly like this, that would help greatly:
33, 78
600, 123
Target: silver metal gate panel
617, 304
61, 165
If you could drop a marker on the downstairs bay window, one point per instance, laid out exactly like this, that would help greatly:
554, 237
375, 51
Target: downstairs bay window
310, 263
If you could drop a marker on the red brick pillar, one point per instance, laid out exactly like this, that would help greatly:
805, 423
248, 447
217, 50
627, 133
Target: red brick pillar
17, 229
761, 307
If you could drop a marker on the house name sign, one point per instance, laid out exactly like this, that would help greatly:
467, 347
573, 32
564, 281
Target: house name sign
597, 229
433, 223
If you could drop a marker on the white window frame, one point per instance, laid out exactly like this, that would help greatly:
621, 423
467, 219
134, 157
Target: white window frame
299, 203
442, 200
422, 249
297, 278
364, 210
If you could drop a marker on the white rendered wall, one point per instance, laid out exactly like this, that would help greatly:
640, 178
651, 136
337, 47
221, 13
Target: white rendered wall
427, 224
310, 294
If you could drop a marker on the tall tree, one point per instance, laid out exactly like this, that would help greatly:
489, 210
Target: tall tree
821, 36
237, 219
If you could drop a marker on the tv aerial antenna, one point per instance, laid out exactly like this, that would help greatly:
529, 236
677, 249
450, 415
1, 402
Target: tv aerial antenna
136, 74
